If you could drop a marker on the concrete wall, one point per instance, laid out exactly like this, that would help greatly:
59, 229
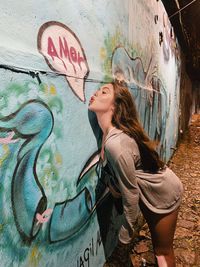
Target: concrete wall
196, 97
186, 95
53, 56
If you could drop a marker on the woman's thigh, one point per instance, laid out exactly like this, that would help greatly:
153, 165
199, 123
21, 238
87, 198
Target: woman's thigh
162, 228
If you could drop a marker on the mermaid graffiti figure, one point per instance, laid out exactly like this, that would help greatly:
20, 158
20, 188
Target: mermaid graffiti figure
33, 123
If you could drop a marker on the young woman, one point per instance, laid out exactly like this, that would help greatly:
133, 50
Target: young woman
140, 177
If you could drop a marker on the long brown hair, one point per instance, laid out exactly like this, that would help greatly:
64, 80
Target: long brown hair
125, 118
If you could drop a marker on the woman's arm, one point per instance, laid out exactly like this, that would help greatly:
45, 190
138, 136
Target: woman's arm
124, 169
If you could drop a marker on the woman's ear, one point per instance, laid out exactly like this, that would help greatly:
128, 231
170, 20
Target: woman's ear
112, 108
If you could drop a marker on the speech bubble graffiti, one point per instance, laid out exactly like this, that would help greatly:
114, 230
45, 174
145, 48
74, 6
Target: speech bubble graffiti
64, 54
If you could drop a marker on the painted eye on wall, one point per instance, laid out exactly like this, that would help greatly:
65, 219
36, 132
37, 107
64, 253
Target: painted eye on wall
160, 38
171, 33
156, 19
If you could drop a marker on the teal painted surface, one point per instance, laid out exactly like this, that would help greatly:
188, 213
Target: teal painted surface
53, 56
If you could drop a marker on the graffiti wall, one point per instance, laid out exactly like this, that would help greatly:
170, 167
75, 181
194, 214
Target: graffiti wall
186, 98
53, 56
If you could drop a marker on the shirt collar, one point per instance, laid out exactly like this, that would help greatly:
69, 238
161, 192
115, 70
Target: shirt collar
114, 131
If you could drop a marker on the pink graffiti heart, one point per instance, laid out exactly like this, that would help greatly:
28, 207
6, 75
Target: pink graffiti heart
44, 217
8, 139
64, 54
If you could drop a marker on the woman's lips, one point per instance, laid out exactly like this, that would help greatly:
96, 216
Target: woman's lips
92, 99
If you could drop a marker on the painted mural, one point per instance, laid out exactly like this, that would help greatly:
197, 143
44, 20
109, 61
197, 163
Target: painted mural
55, 208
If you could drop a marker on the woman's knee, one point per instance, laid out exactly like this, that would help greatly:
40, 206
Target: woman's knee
161, 261
166, 260
160, 251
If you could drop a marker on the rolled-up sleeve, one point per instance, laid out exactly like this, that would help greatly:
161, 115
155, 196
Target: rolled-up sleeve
124, 168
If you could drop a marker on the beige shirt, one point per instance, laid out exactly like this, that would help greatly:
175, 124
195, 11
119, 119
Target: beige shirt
161, 192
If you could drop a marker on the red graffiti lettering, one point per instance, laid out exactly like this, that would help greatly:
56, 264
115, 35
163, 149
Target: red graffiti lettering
51, 49
66, 52
80, 59
64, 49
73, 54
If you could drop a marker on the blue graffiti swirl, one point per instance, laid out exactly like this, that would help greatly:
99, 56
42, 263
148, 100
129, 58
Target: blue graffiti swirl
32, 122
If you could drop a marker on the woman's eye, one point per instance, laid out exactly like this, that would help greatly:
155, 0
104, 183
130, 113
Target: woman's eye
103, 92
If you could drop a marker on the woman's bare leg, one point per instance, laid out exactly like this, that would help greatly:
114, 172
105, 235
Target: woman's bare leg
162, 228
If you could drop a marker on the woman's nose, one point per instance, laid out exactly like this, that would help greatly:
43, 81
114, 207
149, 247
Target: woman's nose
96, 93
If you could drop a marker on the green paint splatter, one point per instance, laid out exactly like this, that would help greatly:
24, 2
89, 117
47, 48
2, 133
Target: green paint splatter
110, 43
134, 50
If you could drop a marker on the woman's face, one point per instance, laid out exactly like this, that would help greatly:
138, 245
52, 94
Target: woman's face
103, 99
